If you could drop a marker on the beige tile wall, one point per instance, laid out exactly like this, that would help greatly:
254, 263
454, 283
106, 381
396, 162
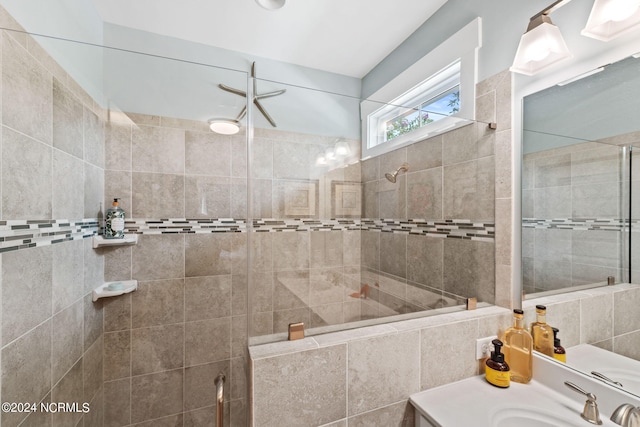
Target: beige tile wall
52, 152
166, 343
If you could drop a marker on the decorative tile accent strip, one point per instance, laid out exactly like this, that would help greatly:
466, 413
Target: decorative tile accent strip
284, 225
23, 234
454, 228
446, 228
458, 228
181, 225
602, 224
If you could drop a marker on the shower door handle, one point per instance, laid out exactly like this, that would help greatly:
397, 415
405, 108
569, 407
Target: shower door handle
219, 382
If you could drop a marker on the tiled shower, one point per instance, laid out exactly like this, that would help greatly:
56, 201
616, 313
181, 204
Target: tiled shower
208, 279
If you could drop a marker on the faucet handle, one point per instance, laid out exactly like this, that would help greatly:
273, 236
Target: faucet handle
626, 415
590, 411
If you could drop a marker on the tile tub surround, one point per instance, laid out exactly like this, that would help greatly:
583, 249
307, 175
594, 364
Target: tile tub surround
51, 331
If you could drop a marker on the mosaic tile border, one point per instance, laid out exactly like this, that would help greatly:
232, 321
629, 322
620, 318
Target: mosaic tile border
182, 225
459, 228
580, 224
23, 234
445, 228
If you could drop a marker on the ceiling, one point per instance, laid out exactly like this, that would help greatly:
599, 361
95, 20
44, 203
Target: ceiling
347, 37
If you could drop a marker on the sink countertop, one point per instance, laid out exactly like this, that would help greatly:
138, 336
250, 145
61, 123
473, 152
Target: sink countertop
475, 402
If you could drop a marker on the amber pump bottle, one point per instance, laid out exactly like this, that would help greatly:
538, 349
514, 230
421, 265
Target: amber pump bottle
496, 370
542, 333
559, 353
518, 348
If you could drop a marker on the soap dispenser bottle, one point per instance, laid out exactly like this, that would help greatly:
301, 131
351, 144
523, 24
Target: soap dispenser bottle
114, 222
542, 333
559, 353
518, 349
496, 370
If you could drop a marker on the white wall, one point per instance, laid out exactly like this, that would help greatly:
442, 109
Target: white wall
504, 21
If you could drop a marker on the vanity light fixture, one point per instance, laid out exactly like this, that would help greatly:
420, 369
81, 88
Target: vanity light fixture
612, 18
271, 4
542, 45
224, 126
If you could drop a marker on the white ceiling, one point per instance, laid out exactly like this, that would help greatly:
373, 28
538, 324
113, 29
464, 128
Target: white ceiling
346, 37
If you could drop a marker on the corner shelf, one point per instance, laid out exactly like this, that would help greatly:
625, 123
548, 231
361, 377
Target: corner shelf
127, 240
104, 292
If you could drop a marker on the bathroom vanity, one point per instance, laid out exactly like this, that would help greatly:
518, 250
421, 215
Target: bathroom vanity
545, 402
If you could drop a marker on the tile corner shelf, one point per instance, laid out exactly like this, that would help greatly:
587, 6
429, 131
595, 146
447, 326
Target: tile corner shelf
103, 290
128, 239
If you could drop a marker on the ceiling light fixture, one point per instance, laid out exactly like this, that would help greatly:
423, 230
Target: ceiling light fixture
271, 4
612, 18
542, 45
224, 126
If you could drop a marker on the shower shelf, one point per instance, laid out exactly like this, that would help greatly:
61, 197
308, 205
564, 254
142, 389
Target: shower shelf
103, 291
128, 239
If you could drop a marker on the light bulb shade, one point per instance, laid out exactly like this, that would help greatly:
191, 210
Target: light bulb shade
271, 4
540, 48
342, 148
612, 18
224, 126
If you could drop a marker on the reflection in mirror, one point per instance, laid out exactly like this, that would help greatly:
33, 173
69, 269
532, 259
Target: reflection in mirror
578, 212
576, 180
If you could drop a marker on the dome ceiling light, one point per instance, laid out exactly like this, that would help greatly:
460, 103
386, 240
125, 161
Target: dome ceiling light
224, 126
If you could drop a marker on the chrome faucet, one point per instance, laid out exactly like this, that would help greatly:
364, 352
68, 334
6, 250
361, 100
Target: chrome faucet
590, 411
626, 415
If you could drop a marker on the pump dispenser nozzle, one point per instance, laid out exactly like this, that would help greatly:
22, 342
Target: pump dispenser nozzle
496, 355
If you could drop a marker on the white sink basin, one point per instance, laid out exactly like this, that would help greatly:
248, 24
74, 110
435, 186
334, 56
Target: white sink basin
474, 402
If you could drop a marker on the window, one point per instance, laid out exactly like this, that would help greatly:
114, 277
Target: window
434, 99
411, 108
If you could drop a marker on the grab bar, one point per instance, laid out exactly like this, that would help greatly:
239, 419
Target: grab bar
219, 382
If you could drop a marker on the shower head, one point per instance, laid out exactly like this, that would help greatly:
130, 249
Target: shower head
391, 177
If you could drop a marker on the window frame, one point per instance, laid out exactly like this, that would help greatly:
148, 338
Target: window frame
462, 48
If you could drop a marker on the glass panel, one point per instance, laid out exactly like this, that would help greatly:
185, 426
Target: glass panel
339, 242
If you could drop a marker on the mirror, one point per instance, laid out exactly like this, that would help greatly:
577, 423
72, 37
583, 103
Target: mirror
577, 200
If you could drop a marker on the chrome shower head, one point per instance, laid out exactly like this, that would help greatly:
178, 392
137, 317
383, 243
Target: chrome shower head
392, 177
